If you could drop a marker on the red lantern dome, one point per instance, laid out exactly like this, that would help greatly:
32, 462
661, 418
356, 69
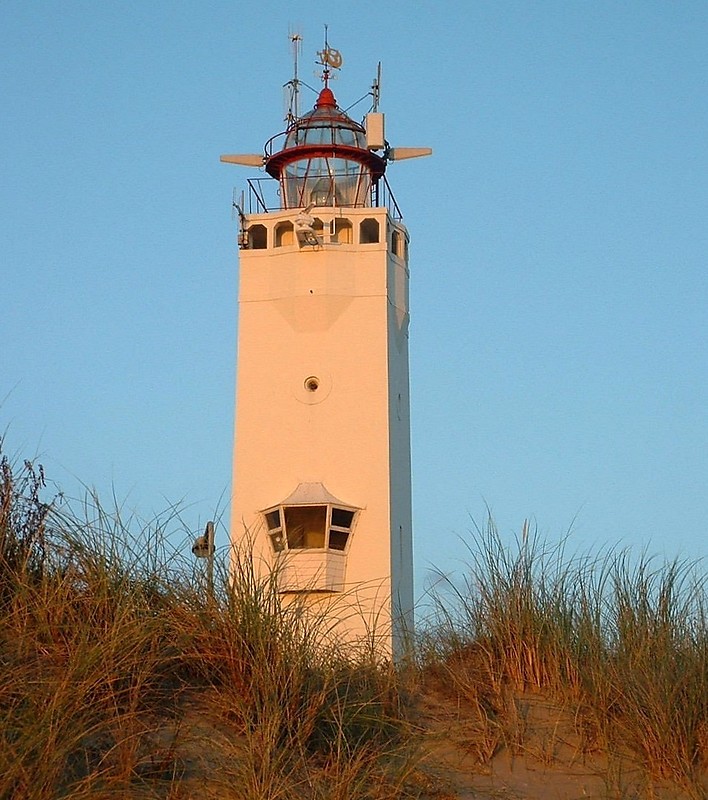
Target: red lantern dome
324, 160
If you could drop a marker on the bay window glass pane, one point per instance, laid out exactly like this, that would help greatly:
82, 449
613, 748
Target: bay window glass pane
342, 518
305, 526
338, 540
278, 541
273, 519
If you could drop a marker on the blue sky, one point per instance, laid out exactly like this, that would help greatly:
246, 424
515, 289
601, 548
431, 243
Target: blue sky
558, 250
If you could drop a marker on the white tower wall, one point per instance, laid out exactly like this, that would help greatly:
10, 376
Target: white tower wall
336, 312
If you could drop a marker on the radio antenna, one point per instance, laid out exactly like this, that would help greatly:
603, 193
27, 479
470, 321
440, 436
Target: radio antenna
376, 89
293, 86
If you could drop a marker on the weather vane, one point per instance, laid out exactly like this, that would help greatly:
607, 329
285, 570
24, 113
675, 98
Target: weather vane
329, 57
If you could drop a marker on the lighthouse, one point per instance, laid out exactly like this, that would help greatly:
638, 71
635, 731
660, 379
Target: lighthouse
321, 487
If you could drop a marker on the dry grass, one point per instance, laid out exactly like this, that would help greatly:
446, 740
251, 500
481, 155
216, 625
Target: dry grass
121, 676
620, 641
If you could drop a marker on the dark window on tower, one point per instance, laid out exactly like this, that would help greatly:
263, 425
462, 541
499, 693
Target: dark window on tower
342, 518
397, 246
369, 231
258, 237
340, 528
284, 234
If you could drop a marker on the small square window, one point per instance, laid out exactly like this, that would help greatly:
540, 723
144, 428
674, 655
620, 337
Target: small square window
278, 541
342, 518
273, 519
338, 539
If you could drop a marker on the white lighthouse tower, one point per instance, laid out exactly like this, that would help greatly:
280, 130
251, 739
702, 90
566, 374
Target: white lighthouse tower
322, 467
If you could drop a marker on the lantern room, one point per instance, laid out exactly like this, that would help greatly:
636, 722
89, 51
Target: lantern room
322, 159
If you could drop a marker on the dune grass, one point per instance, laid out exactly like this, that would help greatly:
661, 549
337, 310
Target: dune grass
621, 640
122, 676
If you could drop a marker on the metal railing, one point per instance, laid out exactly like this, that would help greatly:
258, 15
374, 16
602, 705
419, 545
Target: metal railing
263, 196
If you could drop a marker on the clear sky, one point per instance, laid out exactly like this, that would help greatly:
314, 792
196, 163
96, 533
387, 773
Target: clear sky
558, 250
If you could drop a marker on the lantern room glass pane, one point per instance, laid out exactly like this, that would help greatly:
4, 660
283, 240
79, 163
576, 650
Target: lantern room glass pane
326, 182
326, 126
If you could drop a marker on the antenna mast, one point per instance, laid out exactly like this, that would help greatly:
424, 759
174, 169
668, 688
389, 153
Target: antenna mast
293, 86
376, 89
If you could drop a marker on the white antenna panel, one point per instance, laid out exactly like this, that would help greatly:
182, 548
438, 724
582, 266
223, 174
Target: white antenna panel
375, 139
